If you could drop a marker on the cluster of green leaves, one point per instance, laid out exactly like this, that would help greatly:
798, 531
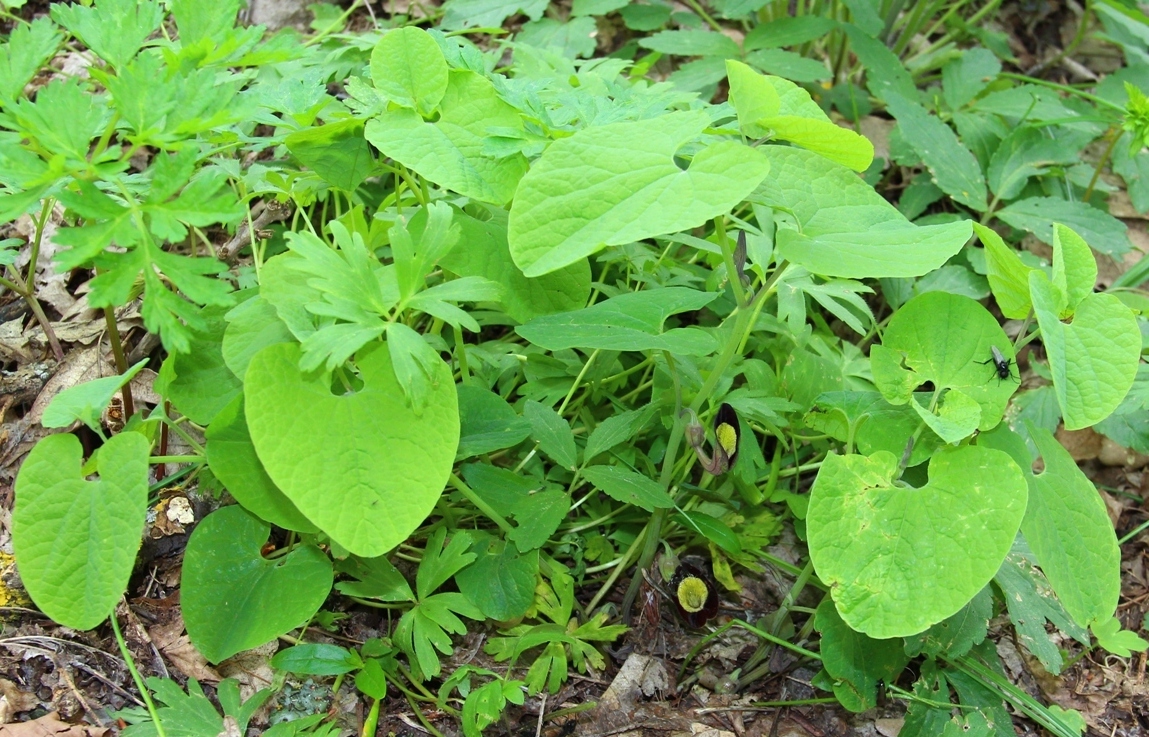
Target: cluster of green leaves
422, 368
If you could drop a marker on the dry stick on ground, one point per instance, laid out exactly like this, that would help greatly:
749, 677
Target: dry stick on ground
265, 213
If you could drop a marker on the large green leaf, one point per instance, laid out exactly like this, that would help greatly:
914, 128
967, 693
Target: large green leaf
944, 339
450, 150
233, 598
76, 540
842, 227
482, 250
899, 559
364, 467
1094, 358
614, 184
231, 456
629, 322
1068, 529
952, 165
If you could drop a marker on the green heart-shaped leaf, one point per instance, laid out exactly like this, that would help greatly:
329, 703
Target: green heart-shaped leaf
76, 540
232, 459
899, 559
946, 339
363, 467
233, 598
1094, 358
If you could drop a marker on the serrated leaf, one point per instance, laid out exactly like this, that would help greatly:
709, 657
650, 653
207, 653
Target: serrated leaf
1038, 214
537, 517
375, 578
501, 580
115, 30
439, 563
29, 46
487, 422
954, 168
964, 78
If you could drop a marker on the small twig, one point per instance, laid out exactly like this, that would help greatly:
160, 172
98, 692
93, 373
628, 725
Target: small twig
62, 669
542, 712
268, 212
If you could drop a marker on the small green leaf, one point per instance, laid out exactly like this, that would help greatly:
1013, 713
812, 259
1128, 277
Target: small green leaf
501, 580
552, 433
965, 77
957, 417
29, 46
428, 627
1121, 643
628, 487
1094, 358
899, 559
86, 402
713, 529
337, 152
450, 150
954, 168
632, 321
1074, 268
315, 659
488, 423
1008, 276
858, 662
537, 518
371, 681
439, 563
76, 540
616, 429
692, 43
375, 578
201, 383
945, 338
1071, 718
409, 69
614, 184
252, 325
1038, 214
116, 30
233, 598
787, 31
324, 451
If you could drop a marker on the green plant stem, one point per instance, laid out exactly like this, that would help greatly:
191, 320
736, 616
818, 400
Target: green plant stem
422, 719
697, 8
461, 356
481, 504
777, 640
371, 723
743, 322
1011, 693
1134, 533
728, 259
1064, 88
136, 677
177, 459
121, 360
1114, 136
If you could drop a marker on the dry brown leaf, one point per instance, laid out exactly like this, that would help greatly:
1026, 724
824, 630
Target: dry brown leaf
251, 668
78, 366
1083, 445
50, 726
177, 648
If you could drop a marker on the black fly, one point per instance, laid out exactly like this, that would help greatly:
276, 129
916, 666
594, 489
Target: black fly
1001, 364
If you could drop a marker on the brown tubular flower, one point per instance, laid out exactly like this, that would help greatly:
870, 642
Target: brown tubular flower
726, 434
693, 592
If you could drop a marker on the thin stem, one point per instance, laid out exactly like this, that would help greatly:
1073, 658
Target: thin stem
136, 676
121, 360
481, 504
1114, 135
777, 640
728, 258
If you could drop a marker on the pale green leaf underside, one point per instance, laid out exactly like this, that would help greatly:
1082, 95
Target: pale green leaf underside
898, 559
362, 467
76, 540
619, 183
844, 228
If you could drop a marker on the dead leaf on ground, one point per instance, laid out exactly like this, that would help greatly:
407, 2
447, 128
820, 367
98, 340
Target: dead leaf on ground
49, 725
251, 668
177, 648
78, 366
1083, 445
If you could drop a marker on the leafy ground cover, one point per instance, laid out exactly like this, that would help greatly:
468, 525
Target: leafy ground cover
526, 368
